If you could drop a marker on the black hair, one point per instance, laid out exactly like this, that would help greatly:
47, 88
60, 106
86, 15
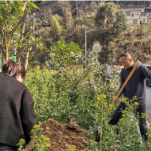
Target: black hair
126, 55
11, 68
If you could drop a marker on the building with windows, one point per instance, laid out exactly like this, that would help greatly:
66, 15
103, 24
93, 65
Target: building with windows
148, 14
137, 14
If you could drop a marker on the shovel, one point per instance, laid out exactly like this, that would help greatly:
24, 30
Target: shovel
117, 96
95, 129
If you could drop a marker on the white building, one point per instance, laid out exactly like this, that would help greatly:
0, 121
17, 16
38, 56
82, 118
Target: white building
148, 14
137, 14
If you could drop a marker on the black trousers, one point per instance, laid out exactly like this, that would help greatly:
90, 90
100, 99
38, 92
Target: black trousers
4, 147
117, 115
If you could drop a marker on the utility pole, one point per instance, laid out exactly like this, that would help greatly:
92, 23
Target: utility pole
86, 41
86, 31
77, 8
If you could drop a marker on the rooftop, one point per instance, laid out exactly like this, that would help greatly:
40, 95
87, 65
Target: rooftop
134, 7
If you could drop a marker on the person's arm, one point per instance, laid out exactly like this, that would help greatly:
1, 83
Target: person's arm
144, 69
27, 114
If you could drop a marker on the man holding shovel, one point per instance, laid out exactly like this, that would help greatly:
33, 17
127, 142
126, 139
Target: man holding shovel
136, 86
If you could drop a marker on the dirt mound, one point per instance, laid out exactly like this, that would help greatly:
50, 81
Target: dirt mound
62, 136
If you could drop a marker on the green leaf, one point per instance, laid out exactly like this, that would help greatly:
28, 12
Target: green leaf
9, 24
1, 6
21, 10
30, 4
24, 7
19, 2
15, 19
1, 17
1, 1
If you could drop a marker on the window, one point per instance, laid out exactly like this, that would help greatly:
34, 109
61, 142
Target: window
136, 14
128, 14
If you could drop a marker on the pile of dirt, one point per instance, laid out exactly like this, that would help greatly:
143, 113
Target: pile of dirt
63, 135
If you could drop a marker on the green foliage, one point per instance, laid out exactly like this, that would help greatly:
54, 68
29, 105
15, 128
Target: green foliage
93, 6
40, 142
78, 21
31, 4
62, 54
68, 94
68, 19
12, 13
21, 145
57, 29
59, 18
124, 136
111, 21
111, 24
82, 96
120, 24
105, 15
135, 40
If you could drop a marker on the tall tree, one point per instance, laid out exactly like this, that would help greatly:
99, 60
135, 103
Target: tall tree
93, 6
110, 23
67, 16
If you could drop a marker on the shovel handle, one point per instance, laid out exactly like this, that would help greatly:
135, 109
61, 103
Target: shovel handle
129, 76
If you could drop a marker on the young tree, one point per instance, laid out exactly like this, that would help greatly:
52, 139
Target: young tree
12, 14
63, 54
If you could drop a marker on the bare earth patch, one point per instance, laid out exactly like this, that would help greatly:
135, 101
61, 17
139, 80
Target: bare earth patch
63, 135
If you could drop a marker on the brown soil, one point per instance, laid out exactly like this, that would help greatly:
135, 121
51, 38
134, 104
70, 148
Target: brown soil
62, 136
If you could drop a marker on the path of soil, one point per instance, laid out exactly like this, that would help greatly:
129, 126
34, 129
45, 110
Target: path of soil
62, 136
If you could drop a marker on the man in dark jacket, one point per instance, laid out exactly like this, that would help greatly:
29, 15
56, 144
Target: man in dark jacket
136, 86
17, 116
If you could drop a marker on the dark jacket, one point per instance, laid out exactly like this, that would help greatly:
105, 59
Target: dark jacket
136, 86
17, 116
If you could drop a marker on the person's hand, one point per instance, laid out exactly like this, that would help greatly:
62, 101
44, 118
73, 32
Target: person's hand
137, 63
115, 99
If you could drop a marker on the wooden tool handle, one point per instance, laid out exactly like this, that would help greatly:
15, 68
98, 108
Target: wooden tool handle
129, 76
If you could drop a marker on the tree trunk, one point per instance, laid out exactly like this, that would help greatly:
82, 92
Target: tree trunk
27, 55
3, 54
6, 52
26, 60
3, 58
18, 55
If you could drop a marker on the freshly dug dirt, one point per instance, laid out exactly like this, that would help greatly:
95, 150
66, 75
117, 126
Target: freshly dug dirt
62, 136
